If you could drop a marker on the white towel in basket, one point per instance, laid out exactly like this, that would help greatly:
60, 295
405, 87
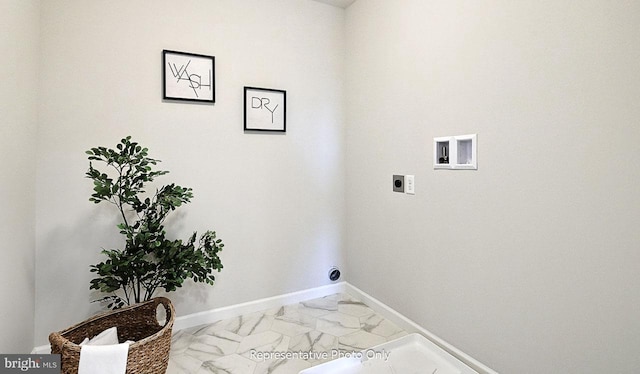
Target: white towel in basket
103, 359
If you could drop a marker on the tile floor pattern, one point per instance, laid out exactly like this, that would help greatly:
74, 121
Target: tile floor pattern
332, 324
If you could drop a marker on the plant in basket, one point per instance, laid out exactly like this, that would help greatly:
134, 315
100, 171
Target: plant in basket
149, 260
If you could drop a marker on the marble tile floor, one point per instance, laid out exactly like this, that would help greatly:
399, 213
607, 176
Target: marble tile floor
283, 340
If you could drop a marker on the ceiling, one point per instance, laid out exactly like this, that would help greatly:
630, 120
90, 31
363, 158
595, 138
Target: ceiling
339, 3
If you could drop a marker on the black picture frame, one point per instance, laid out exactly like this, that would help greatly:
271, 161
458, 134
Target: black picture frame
188, 77
265, 109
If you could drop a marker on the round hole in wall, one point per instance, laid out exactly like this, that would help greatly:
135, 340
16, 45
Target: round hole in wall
334, 274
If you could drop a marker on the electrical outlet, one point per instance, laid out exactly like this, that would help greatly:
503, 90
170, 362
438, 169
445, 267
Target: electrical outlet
398, 183
409, 184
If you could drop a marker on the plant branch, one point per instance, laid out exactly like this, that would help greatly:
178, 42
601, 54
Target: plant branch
149, 260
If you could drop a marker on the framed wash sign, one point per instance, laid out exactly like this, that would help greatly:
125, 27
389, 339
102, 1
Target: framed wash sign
188, 77
265, 109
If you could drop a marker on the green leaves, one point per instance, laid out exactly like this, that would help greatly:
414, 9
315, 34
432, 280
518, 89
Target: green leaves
131, 168
149, 260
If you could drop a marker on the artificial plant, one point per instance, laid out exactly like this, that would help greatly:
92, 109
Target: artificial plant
149, 260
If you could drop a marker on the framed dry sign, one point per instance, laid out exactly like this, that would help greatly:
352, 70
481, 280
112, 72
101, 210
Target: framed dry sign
265, 109
188, 77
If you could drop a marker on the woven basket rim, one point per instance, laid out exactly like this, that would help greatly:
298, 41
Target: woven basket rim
156, 300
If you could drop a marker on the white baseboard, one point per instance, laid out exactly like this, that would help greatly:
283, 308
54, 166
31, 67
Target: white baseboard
41, 350
210, 316
411, 327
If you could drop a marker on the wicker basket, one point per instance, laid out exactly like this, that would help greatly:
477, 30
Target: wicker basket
148, 355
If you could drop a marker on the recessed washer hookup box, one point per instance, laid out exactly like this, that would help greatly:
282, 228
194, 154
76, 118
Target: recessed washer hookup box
411, 354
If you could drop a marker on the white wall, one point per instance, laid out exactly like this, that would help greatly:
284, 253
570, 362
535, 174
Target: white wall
529, 264
277, 201
19, 42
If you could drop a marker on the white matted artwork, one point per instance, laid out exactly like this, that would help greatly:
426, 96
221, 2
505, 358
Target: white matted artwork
265, 109
188, 77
